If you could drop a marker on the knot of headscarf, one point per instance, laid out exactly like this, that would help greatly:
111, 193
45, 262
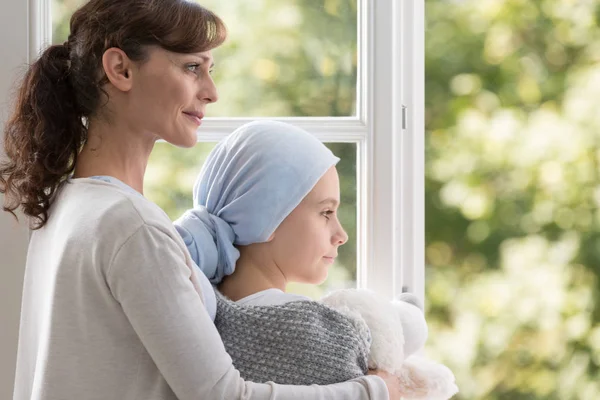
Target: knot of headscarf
209, 240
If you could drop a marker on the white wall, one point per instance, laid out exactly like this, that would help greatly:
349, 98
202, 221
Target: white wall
13, 237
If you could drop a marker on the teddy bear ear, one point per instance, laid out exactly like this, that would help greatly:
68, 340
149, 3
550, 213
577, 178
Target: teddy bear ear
411, 299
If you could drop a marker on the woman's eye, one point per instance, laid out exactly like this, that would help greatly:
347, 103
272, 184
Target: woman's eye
192, 67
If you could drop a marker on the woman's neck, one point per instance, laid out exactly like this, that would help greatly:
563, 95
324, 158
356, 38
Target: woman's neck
253, 273
117, 152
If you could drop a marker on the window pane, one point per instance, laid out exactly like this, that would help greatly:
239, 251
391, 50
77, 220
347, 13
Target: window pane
171, 174
282, 57
61, 11
286, 58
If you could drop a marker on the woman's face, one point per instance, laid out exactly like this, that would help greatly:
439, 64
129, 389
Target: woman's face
306, 243
169, 95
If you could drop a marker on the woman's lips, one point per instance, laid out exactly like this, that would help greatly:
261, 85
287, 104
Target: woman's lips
196, 119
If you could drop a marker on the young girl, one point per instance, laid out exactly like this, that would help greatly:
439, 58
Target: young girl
265, 215
113, 307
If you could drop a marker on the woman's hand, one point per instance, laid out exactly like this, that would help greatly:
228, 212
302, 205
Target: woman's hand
391, 381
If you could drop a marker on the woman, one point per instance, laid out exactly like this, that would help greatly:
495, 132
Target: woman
112, 306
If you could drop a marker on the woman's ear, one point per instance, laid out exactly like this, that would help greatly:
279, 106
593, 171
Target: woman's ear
117, 67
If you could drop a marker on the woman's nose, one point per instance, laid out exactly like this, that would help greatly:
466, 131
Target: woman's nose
208, 91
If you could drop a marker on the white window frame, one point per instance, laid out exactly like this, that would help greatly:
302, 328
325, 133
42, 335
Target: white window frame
390, 159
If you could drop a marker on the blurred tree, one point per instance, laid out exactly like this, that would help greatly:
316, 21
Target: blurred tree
512, 195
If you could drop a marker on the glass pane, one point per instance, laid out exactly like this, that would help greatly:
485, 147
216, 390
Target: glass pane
61, 11
286, 58
282, 57
171, 174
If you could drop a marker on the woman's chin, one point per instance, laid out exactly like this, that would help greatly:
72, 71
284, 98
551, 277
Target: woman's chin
186, 141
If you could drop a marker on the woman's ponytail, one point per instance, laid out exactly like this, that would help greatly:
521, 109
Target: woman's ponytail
42, 138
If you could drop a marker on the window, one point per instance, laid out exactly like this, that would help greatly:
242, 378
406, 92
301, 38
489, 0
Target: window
315, 64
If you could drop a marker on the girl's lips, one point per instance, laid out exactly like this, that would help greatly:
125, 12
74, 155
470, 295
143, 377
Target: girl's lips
329, 260
197, 120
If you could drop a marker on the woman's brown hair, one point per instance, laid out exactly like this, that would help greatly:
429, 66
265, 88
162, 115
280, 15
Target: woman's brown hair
63, 89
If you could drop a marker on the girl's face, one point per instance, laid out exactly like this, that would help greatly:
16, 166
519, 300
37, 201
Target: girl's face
306, 243
169, 95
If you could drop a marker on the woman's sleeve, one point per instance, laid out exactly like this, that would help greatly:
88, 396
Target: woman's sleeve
150, 279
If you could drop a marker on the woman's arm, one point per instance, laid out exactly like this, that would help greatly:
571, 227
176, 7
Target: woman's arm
151, 281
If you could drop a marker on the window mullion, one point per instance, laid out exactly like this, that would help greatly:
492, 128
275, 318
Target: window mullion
394, 223
409, 193
379, 269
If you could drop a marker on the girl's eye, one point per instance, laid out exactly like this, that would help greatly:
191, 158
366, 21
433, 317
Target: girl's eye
327, 213
192, 67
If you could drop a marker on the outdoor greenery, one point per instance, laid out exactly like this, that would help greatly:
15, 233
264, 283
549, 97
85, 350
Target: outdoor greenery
512, 170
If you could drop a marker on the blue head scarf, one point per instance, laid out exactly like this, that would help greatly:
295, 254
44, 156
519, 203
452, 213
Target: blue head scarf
249, 183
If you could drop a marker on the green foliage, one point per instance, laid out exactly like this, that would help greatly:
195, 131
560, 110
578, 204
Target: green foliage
512, 196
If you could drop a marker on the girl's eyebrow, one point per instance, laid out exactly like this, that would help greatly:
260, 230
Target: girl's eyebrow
331, 201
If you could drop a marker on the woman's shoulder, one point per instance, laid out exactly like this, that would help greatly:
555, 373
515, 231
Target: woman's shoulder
91, 222
95, 203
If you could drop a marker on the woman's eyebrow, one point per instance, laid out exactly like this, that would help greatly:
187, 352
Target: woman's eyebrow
205, 59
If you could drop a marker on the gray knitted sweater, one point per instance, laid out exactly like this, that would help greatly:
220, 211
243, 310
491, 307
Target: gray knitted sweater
297, 343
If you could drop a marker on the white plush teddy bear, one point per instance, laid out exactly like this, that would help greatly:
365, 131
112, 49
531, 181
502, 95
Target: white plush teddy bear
398, 331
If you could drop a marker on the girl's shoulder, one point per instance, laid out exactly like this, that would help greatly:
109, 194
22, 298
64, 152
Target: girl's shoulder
271, 297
